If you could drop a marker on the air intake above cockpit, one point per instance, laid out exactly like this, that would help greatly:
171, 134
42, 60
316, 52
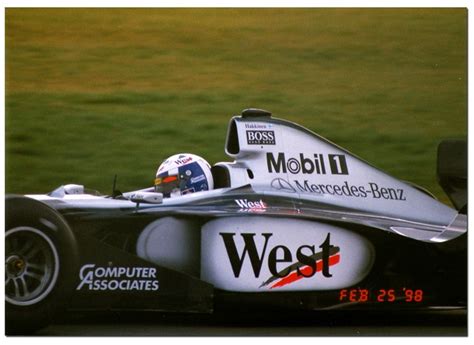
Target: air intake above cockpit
254, 112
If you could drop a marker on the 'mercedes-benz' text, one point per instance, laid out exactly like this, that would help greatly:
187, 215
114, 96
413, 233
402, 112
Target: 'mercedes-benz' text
370, 190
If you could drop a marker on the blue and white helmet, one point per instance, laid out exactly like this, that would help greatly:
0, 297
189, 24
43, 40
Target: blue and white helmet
183, 173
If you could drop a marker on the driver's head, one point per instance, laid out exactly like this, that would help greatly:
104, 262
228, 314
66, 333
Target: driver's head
183, 173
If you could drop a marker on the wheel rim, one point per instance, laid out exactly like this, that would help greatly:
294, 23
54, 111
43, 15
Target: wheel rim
31, 266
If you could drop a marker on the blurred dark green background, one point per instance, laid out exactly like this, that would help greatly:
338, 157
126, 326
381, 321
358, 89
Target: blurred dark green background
95, 92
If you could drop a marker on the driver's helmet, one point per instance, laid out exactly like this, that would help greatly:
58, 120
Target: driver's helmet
183, 173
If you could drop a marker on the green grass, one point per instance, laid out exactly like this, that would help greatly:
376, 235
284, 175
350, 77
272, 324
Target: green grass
95, 92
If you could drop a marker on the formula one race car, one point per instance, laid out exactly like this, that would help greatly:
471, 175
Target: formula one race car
294, 222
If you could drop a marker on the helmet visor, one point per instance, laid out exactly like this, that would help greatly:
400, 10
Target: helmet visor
167, 184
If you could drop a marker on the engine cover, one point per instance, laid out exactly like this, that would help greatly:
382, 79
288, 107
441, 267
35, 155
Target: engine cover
259, 254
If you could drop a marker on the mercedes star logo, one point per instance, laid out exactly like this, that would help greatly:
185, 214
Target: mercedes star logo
283, 185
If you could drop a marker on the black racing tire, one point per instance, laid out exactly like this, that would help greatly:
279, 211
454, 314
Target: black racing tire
41, 258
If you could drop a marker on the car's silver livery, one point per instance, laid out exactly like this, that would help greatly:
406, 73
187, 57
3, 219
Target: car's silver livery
291, 213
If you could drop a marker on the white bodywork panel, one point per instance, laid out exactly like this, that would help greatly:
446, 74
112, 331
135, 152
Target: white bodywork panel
171, 242
280, 244
300, 163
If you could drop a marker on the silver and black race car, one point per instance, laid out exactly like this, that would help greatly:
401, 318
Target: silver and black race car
294, 222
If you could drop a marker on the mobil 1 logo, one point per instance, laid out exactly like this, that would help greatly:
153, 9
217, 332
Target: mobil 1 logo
321, 164
260, 137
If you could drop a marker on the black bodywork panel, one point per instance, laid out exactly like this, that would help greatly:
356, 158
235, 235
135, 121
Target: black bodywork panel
168, 290
439, 270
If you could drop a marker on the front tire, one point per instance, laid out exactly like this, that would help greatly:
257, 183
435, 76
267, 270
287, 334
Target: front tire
40, 259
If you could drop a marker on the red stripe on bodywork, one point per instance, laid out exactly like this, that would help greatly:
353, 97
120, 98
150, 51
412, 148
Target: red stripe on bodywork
333, 260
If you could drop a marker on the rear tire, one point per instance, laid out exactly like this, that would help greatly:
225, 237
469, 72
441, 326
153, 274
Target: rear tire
41, 257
